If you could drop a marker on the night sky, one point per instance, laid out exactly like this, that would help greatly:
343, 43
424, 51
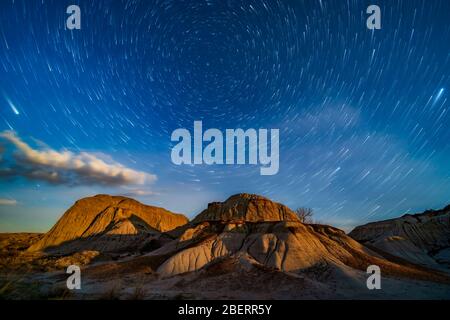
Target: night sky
363, 114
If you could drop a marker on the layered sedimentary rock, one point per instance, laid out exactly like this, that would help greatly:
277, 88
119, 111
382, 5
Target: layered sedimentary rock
420, 238
107, 223
246, 208
245, 247
254, 229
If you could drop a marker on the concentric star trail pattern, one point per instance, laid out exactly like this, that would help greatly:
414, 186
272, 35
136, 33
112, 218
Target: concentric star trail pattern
363, 114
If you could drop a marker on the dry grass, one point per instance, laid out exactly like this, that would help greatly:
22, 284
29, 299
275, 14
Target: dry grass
13, 288
6, 288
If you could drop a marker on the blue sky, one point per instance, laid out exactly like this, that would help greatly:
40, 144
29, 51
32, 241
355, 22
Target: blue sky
363, 115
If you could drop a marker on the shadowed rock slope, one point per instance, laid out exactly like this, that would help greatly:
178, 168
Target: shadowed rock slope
257, 231
420, 238
107, 223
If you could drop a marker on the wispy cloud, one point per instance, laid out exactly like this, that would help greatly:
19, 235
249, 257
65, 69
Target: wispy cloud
7, 202
338, 117
135, 192
67, 167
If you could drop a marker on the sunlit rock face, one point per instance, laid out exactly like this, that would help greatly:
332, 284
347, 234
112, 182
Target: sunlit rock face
246, 208
107, 223
261, 232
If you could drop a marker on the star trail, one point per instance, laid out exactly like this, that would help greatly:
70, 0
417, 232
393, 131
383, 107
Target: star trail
363, 114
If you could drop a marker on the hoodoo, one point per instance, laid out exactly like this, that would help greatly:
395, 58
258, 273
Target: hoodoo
253, 230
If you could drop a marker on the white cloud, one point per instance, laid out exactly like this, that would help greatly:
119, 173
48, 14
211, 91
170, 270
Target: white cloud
7, 202
68, 167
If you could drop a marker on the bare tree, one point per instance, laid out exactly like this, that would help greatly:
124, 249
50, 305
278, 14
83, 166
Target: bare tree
305, 214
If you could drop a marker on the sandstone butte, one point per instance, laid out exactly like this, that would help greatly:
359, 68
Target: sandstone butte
106, 222
254, 230
250, 230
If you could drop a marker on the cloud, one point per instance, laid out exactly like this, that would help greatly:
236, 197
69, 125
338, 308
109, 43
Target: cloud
67, 167
338, 117
7, 202
139, 192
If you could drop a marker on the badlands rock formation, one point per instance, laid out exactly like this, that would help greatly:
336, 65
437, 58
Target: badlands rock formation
246, 208
246, 247
107, 223
420, 238
256, 231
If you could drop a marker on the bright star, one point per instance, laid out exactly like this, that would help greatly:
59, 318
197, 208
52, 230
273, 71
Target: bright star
13, 107
438, 96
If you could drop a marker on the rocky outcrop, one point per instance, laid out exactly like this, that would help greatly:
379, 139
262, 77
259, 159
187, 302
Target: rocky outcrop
246, 208
420, 238
247, 247
254, 229
108, 223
